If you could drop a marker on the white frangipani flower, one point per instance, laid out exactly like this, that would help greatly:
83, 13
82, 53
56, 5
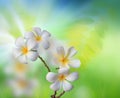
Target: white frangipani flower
41, 37
17, 68
22, 86
24, 50
64, 59
61, 79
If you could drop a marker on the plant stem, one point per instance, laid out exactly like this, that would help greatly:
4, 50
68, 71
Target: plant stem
54, 95
57, 68
44, 63
60, 94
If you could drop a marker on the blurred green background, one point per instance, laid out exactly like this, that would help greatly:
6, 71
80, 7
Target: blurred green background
91, 26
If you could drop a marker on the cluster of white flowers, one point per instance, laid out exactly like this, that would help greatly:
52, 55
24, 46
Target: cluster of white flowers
19, 82
28, 47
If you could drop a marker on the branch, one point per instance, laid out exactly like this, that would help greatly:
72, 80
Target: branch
61, 94
54, 95
44, 63
57, 68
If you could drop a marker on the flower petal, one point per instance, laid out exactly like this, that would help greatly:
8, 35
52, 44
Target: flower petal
55, 86
67, 86
61, 65
61, 51
28, 92
31, 44
51, 77
72, 77
74, 63
18, 92
33, 83
45, 34
32, 55
71, 52
29, 35
23, 59
20, 42
37, 30
63, 71
46, 44
17, 52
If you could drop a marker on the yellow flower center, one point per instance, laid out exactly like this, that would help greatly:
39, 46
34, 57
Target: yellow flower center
64, 60
20, 67
24, 50
62, 77
38, 38
22, 83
